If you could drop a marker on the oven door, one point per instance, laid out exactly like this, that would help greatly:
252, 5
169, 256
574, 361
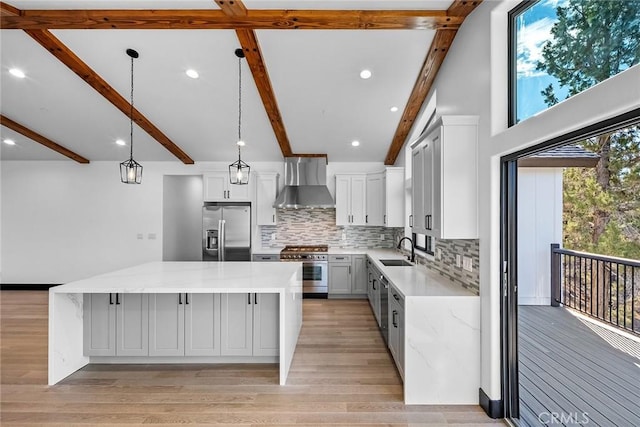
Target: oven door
315, 278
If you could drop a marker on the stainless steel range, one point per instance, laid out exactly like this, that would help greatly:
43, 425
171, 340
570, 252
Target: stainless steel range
315, 268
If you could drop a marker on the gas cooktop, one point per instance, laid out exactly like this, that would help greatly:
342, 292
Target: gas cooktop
301, 252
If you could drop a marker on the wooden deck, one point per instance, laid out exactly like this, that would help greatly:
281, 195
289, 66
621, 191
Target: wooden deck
576, 370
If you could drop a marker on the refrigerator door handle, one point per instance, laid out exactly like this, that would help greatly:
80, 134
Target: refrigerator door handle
221, 241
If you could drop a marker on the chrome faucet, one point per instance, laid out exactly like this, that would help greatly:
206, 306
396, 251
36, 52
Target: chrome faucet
413, 252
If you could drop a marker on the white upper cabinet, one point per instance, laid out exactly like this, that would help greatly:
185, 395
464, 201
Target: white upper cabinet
375, 199
445, 191
393, 199
217, 188
266, 193
351, 199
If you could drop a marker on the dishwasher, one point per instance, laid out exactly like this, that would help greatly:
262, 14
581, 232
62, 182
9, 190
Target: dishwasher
384, 308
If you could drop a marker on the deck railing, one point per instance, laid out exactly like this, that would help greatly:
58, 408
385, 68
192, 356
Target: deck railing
603, 287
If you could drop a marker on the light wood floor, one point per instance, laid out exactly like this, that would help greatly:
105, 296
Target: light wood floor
342, 374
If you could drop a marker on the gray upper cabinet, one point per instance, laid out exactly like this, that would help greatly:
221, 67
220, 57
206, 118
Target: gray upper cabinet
250, 324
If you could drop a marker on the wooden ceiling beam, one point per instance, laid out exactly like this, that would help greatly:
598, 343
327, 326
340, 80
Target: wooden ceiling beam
232, 7
435, 57
5, 121
8, 10
68, 58
218, 19
252, 53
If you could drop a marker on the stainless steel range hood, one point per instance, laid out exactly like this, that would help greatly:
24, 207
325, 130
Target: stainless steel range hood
305, 180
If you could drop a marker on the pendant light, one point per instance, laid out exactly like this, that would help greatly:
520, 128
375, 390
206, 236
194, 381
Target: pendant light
130, 170
239, 170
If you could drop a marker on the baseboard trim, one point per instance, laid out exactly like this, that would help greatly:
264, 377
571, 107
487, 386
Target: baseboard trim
27, 286
493, 408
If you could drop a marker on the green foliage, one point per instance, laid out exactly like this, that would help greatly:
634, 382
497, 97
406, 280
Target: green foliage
591, 41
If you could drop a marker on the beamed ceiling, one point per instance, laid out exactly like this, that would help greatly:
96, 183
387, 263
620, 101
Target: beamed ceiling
301, 89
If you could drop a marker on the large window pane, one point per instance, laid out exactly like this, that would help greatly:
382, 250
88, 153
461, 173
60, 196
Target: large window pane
562, 47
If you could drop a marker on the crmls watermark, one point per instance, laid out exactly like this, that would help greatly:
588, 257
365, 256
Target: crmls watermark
563, 418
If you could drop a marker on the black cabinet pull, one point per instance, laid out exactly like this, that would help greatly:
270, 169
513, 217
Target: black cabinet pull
410, 220
255, 299
374, 284
393, 318
396, 297
384, 219
179, 298
117, 299
249, 299
366, 219
186, 298
110, 299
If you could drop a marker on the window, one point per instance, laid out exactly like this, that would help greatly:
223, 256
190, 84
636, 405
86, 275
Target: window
559, 48
423, 243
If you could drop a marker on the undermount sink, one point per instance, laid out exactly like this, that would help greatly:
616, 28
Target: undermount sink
395, 263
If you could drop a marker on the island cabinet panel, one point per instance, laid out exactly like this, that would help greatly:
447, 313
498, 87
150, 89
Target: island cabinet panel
116, 325
132, 324
249, 324
266, 325
166, 324
202, 325
99, 325
237, 324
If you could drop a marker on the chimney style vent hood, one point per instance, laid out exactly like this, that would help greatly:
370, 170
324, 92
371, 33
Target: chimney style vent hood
305, 184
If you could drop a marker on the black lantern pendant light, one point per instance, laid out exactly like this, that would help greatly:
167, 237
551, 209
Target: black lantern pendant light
239, 170
130, 170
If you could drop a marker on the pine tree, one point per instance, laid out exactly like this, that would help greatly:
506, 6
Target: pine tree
591, 41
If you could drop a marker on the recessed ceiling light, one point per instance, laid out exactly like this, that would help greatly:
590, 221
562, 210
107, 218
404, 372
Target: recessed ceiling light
9, 142
355, 143
365, 74
17, 73
120, 142
393, 109
192, 73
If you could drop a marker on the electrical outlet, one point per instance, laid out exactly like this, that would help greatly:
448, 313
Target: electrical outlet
273, 236
344, 236
438, 253
458, 260
139, 236
151, 236
467, 263
382, 236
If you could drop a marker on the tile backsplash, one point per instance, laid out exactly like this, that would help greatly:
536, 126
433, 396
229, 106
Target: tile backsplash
318, 226
446, 266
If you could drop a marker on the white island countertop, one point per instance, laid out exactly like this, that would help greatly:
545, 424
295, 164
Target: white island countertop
187, 276
66, 317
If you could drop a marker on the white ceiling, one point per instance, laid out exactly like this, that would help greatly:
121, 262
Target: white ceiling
314, 73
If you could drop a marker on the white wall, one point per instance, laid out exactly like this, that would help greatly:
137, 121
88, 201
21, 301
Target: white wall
473, 81
62, 221
539, 225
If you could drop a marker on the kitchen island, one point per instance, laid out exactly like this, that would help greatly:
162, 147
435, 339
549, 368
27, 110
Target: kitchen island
66, 302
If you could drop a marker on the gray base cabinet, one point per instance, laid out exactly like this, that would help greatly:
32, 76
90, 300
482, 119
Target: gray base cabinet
116, 324
347, 275
340, 278
250, 324
396, 328
184, 324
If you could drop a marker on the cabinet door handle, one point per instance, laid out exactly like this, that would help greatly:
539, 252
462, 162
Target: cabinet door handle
255, 298
249, 299
384, 219
179, 298
426, 222
274, 218
349, 269
374, 284
366, 219
110, 299
410, 220
117, 299
393, 319
396, 297
186, 298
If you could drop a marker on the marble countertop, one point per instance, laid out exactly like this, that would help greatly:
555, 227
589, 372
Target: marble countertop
170, 277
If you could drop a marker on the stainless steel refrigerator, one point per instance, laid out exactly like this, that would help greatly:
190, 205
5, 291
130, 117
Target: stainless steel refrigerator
226, 231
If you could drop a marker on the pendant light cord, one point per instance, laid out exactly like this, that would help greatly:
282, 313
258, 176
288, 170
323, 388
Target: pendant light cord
131, 113
239, 99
